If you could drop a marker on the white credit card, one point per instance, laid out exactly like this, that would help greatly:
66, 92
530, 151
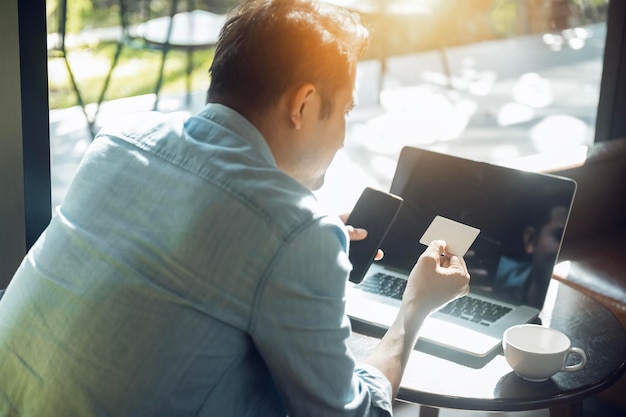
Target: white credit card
458, 236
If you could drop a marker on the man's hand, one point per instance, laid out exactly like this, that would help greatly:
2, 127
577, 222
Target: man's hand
436, 278
358, 234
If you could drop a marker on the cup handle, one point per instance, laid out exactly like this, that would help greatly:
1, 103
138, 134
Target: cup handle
581, 364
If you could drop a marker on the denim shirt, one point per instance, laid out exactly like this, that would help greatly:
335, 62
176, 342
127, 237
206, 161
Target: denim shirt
184, 275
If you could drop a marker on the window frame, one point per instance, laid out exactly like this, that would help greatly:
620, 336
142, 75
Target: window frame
612, 100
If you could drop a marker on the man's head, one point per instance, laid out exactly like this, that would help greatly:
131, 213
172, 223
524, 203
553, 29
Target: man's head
542, 237
268, 46
278, 60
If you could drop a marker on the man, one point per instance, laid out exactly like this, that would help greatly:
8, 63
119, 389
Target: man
525, 274
190, 272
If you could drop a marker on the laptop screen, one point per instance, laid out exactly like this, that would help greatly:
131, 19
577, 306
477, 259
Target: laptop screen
521, 215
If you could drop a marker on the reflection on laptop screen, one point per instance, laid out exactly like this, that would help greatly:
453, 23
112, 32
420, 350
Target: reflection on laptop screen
521, 215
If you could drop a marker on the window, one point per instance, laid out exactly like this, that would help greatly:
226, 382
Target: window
492, 80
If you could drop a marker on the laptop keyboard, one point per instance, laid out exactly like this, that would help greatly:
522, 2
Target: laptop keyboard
473, 309
467, 308
383, 284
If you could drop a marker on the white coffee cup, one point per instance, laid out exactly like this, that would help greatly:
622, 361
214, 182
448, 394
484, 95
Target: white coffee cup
536, 352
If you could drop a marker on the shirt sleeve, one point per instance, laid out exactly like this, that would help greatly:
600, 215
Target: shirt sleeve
300, 329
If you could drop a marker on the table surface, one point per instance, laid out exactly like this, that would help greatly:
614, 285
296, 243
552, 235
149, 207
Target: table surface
438, 378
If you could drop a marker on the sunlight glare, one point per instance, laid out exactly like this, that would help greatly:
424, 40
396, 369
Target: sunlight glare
533, 90
504, 152
515, 113
559, 132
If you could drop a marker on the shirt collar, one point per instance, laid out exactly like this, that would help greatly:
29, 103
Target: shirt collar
237, 123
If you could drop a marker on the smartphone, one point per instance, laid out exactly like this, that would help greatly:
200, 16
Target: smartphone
374, 211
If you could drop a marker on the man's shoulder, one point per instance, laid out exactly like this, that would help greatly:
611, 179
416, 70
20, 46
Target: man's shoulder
282, 203
224, 158
146, 127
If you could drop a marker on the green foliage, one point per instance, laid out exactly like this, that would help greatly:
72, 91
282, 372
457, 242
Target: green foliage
136, 74
79, 14
137, 71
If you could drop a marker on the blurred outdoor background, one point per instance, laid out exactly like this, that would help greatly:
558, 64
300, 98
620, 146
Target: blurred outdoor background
494, 80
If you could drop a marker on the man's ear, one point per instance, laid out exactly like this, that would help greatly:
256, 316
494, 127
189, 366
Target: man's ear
529, 239
300, 99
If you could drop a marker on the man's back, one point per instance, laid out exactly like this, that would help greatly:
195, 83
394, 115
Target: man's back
168, 246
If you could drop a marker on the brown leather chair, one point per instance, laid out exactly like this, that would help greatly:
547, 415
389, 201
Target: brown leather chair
595, 239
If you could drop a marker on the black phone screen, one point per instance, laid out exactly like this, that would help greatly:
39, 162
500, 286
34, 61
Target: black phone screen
374, 211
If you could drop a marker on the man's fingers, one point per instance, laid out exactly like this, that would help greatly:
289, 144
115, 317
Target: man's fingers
355, 233
437, 251
436, 248
459, 263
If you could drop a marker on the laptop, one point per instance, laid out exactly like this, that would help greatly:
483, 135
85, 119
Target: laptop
522, 218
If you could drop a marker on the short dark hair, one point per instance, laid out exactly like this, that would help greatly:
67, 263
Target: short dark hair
267, 47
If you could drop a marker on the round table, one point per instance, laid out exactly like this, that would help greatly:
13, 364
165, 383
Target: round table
436, 378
